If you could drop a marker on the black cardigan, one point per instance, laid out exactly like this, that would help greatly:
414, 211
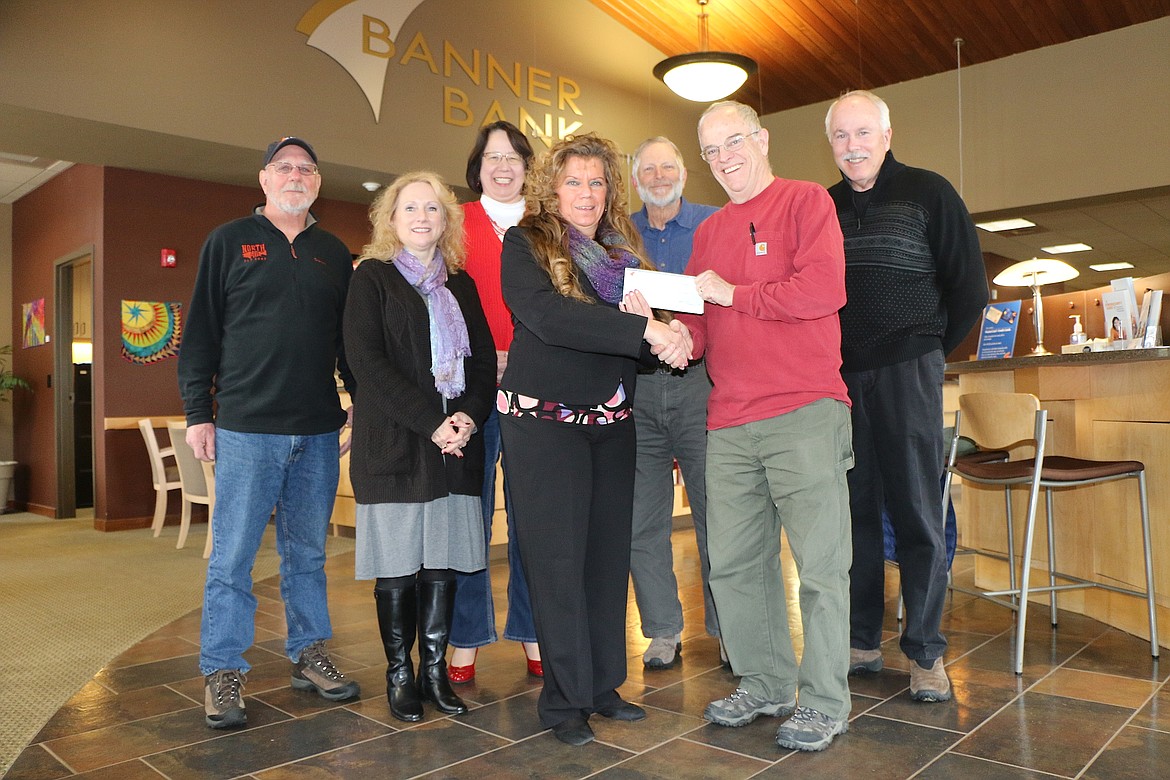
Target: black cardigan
565, 350
397, 408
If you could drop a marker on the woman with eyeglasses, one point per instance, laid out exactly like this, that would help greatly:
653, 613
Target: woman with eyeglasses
419, 346
565, 417
496, 169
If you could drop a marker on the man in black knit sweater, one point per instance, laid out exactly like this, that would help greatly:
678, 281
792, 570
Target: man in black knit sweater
915, 285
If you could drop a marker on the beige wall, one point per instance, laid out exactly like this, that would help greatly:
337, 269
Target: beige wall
239, 74
1080, 119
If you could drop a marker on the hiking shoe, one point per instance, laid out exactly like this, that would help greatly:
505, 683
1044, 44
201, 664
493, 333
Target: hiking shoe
663, 652
741, 708
223, 699
809, 730
315, 671
864, 661
929, 684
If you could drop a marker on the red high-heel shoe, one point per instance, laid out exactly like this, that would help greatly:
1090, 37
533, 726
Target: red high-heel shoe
462, 674
535, 668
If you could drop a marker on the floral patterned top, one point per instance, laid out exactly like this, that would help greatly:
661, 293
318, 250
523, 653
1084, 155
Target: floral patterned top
515, 404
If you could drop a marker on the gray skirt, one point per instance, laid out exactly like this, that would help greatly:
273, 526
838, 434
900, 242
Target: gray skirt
394, 540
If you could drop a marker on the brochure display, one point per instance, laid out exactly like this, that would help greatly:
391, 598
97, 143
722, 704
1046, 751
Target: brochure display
997, 330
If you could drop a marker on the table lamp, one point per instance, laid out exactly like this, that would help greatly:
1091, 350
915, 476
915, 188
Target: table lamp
1034, 273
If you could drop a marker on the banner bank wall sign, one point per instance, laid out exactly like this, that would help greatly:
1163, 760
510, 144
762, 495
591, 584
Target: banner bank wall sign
361, 35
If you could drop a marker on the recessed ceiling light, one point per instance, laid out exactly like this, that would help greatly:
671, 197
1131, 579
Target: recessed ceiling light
1001, 225
1064, 249
1110, 266
371, 186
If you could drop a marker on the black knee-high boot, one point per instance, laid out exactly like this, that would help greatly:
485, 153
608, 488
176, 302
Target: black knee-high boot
397, 621
436, 604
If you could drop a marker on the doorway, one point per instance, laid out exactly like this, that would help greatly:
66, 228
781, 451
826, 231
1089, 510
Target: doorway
73, 373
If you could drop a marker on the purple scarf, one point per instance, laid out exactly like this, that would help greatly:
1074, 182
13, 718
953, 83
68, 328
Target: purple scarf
449, 342
606, 270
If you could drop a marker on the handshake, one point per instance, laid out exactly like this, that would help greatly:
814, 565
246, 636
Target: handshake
671, 343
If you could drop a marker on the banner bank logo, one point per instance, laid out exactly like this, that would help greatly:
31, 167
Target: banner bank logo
361, 36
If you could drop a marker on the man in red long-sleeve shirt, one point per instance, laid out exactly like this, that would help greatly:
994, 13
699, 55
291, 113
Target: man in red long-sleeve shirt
770, 266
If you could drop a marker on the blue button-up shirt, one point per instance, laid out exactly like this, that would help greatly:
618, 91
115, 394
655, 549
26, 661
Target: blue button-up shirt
670, 248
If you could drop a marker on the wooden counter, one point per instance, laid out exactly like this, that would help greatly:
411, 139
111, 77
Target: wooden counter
1102, 405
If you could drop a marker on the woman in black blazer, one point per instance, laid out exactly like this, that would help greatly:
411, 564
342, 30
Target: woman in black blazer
420, 349
565, 406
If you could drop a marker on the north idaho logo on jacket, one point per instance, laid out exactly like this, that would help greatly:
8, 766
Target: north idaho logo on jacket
253, 252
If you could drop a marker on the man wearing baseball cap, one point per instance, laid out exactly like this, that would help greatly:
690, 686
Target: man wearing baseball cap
261, 342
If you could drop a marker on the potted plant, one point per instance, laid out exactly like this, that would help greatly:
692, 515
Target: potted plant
8, 382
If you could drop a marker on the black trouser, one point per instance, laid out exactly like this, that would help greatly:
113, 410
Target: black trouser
898, 460
572, 494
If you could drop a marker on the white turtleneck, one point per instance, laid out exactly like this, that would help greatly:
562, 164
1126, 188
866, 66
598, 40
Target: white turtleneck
505, 215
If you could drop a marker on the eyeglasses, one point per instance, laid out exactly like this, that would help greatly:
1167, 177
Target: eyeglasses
285, 168
711, 153
495, 158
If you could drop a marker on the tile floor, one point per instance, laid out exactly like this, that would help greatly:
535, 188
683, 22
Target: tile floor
1091, 704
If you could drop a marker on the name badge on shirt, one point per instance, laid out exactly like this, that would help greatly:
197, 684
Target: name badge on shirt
761, 248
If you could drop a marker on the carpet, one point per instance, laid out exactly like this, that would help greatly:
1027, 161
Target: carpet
72, 599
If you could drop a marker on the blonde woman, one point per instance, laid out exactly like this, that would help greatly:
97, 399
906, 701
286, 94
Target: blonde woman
420, 349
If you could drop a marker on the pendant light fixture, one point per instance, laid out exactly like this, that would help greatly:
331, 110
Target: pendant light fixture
704, 75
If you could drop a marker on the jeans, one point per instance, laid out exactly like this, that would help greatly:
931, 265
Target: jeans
256, 472
474, 622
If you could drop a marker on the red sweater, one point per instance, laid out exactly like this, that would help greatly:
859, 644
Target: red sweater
778, 346
483, 265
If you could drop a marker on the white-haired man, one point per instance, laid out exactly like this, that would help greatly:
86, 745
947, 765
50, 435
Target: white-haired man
916, 285
670, 411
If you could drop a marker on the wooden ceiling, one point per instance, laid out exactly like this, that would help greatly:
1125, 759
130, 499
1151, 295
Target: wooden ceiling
813, 50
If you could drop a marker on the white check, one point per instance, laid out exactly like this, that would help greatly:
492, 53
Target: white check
662, 290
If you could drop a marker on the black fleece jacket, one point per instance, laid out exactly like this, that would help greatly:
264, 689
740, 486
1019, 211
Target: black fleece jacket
262, 335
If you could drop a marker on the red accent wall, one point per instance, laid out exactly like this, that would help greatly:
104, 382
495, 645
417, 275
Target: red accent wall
57, 219
127, 216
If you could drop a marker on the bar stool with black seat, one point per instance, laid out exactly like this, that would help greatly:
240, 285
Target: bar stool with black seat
999, 421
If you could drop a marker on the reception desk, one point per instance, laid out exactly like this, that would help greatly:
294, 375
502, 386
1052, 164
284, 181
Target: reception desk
1101, 405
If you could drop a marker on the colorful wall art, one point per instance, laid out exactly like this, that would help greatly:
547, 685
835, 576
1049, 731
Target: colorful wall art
151, 331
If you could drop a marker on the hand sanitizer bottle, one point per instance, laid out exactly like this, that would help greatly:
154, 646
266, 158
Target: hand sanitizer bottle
1078, 334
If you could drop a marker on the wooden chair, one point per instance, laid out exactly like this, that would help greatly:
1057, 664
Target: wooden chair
209, 478
1000, 421
165, 477
196, 488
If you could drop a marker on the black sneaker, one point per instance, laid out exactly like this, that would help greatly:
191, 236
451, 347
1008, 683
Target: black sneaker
223, 699
315, 671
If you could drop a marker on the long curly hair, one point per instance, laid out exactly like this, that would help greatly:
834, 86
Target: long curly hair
548, 230
385, 244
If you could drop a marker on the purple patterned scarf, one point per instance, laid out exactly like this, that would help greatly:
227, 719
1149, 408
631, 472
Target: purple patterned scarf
606, 270
449, 341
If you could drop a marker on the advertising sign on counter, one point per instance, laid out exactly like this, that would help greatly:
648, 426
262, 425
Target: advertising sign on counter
997, 330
